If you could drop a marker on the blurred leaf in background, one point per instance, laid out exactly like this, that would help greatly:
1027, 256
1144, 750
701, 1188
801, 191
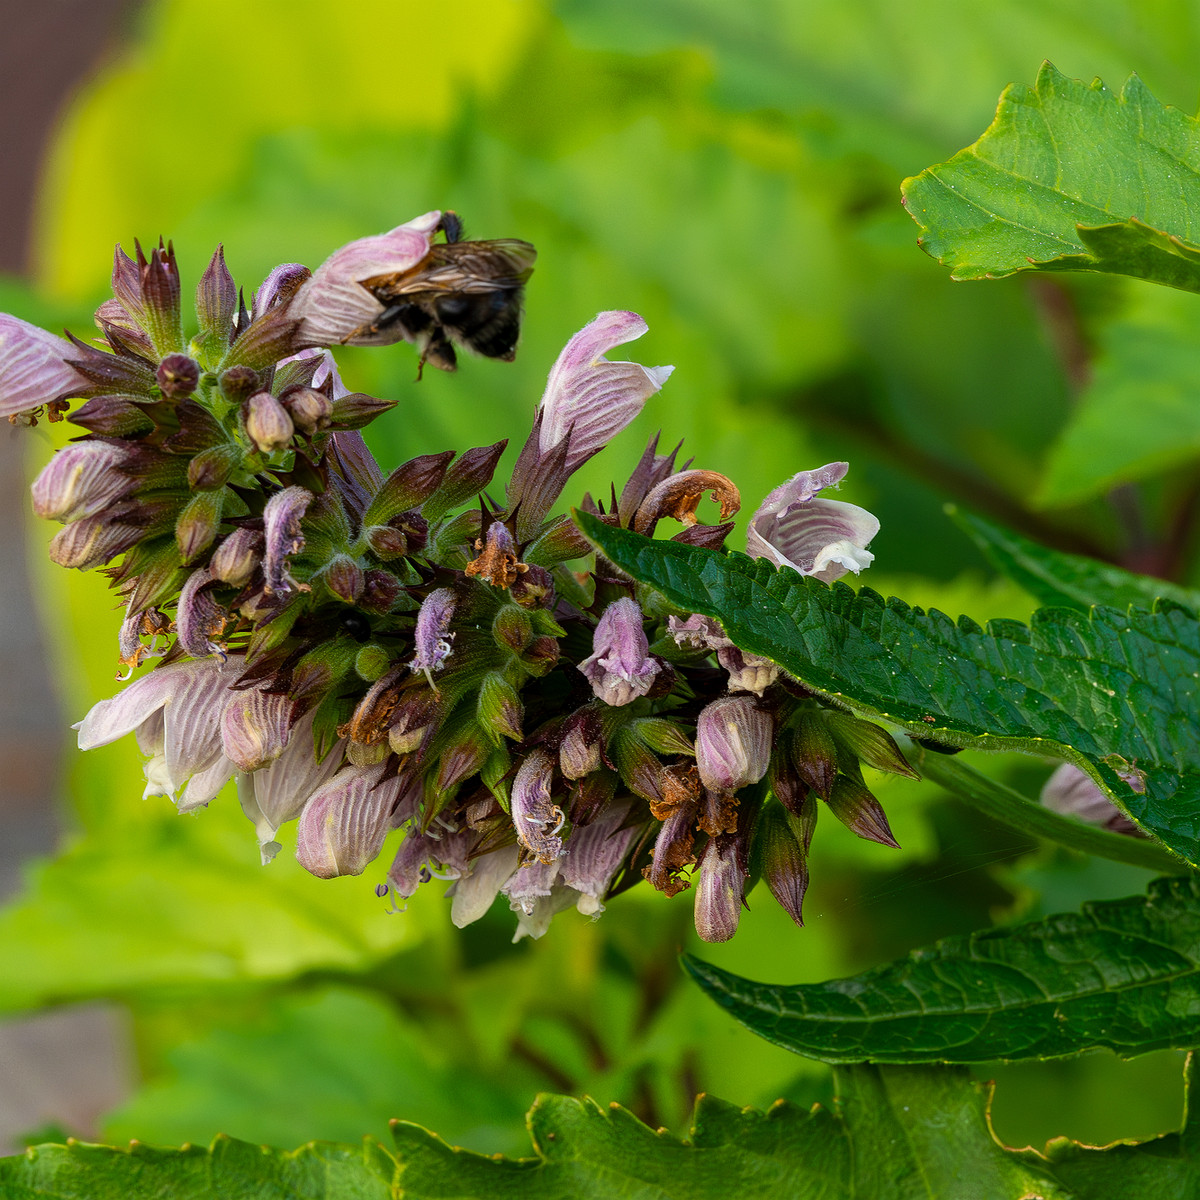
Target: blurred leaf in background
731, 173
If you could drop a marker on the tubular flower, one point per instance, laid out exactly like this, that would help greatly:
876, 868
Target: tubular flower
795, 528
35, 367
367, 650
620, 668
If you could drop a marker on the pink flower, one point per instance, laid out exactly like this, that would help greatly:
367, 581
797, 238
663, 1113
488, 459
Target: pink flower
822, 538
34, 366
333, 304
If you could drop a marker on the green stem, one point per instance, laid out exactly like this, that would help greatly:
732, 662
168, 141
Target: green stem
1004, 804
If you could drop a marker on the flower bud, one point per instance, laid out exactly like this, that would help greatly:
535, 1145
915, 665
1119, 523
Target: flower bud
216, 302
408, 486
857, 809
356, 410
344, 578
197, 524
311, 411
416, 713
371, 663
783, 861
113, 416
463, 756
733, 743
533, 588
639, 767
211, 468
239, 383
865, 741
620, 667
465, 478
267, 423
814, 752
255, 727
499, 707
579, 750
385, 542
82, 480
381, 590
541, 656
512, 628
177, 376
92, 542
237, 557
160, 297
719, 891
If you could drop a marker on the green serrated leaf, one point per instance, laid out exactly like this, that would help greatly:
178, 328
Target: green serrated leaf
899, 1133
1123, 975
1114, 692
1053, 577
228, 1168
1069, 177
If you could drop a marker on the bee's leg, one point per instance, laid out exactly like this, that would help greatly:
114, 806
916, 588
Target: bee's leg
451, 225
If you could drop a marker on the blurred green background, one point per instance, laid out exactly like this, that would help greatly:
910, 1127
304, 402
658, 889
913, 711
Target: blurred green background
732, 173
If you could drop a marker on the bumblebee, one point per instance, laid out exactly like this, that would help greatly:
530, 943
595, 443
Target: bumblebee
461, 293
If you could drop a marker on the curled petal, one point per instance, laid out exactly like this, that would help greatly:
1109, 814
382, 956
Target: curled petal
344, 823
279, 286
333, 305
679, 496
199, 619
823, 538
536, 818
591, 398
283, 535
33, 366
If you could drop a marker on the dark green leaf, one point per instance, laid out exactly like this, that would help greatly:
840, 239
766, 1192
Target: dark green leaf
1069, 177
227, 1169
1053, 577
900, 1134
1123, 974
1114, 692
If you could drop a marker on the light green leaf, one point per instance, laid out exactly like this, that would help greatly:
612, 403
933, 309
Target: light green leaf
1053, 577
226, 1169
1114, 692
333, 1065
1122, 975
1138, 414
1069, 177
903, 1134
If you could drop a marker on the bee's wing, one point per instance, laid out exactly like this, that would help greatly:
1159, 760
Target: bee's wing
503, 264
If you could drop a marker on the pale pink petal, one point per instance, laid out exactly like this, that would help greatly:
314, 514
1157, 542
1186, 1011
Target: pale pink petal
333, 303
33, 366
591, 398
344, 823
